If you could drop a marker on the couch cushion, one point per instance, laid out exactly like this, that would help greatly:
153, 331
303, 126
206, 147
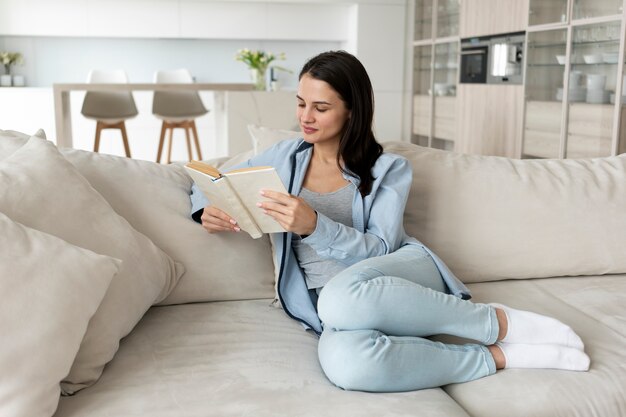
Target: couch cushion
493, 218
232, 359
50, 291
265, 137
596, 309
154, 199
41, 190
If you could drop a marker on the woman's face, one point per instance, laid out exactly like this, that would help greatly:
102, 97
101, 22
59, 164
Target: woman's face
321, 112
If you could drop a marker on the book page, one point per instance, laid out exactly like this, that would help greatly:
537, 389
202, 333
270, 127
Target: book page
248, 183
219, 193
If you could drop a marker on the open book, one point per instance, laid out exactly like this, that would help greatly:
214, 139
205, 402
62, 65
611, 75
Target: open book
237, 192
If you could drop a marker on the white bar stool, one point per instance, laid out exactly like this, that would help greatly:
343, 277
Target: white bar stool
177, 109
109, 109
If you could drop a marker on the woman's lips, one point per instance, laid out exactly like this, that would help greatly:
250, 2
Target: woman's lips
308, 130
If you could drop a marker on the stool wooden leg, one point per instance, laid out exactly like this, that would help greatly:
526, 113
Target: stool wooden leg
195, 138
161, 140
169, 147
186, 127
125, 139
96, 144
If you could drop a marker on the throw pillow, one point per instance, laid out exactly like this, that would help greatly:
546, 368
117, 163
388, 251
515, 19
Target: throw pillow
50, 291
154, 198
265, 137
491, 218
11, 141
42, 190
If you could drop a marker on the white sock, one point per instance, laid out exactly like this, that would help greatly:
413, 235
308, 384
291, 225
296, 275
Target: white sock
544, 357
532, 328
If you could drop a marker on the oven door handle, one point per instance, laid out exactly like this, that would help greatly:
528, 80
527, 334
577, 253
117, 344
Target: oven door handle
475, 52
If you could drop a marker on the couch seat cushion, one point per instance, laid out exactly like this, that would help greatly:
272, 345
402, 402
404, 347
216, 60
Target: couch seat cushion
231, 358
596, 308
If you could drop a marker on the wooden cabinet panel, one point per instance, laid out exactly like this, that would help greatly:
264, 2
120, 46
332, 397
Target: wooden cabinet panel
542, 132
589, 131
488, 17
421, 115
588, 146
543, 116
622, 132
591, 120
539, 144
490, 119
445, 118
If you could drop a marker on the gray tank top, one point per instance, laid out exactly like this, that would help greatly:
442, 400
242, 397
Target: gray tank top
338, 207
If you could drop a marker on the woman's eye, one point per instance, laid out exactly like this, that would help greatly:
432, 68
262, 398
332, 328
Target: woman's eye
321, 110
300, 105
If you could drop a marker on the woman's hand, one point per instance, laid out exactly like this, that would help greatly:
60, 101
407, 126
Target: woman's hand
215, 220
291, 212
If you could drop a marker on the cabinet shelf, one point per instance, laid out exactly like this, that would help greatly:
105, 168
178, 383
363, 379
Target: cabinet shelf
596, 42
532, 45
556, 65
584, 64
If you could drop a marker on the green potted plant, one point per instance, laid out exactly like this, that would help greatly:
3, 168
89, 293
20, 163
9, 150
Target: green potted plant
258, 62
8, 59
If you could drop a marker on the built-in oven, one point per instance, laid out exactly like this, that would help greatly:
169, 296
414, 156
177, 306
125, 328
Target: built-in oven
494, 59
474, 60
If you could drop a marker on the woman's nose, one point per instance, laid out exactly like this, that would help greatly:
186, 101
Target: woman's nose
306, 115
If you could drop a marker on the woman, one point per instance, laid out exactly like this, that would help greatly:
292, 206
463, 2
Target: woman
380, 292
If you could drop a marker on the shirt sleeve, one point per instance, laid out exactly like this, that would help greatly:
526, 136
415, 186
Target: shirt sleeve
384, 231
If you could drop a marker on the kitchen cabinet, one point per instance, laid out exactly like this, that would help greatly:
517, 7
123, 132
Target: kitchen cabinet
182, 19
489, 17
490, 118
435, 72
574, 102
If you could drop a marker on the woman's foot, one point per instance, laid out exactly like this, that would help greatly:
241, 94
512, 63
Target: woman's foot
539, 357
525, 327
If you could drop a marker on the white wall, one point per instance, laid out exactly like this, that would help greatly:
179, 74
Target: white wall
49, 60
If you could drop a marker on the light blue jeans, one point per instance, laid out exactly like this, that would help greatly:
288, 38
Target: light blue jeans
376, 315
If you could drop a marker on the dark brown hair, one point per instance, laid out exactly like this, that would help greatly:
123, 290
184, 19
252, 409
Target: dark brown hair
346, 75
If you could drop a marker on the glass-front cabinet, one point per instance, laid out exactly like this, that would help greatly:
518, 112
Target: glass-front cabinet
574, 79
435, 72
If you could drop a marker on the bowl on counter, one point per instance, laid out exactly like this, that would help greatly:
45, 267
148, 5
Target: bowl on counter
443, 89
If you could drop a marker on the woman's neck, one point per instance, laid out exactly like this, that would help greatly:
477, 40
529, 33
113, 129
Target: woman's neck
326, 153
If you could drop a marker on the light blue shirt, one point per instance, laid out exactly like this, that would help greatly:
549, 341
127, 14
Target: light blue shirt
377, 224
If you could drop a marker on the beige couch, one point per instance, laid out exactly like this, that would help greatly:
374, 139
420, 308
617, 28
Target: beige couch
202, 337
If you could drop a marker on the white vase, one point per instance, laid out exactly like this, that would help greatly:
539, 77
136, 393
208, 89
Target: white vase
258, 79
19, 81
5, 80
